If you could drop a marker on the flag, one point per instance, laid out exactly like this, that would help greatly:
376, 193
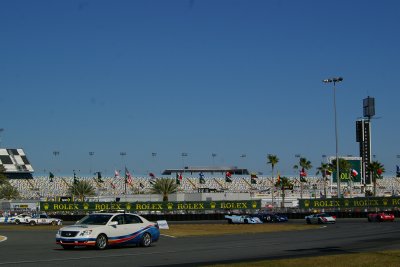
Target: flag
379, 171
278, 180
177, 180
116, 174
128, 177
327, 173
302, 175
354, 173
253, 178
51, 176
99, 177
152, 178
397, 171
201, 178
228, 176
141, 185
75, 179
112, 185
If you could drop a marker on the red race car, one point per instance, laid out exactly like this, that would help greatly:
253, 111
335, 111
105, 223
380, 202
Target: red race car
381, 217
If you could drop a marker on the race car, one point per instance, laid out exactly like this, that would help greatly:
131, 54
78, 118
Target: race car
247, 219
42, 219
381, 217
320, 218
15, 219
22, 218
271, 217
101, 230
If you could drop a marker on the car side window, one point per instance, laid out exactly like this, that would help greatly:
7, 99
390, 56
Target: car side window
119, 219
132, 219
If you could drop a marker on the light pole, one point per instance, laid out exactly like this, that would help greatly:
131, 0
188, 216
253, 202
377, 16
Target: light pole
183, 155
1, 130
334, 81
91, 154
243, 156
213, 155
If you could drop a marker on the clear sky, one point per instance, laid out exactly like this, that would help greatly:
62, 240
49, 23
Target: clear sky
231, 78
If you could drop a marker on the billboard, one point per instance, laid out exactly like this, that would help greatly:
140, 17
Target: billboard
355, 163
151, 206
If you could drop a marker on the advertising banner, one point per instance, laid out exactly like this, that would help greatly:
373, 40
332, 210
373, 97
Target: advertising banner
151, 206
367, 202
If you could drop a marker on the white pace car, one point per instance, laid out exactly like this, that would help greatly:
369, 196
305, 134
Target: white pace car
242, 219
101, 230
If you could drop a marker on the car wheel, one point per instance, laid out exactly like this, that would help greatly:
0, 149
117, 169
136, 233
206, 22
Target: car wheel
101, 242
32, 223
146, 240
246, 221
268, 218
319, 221
67, 247
53, 223
230, 221
17, 222
308, 221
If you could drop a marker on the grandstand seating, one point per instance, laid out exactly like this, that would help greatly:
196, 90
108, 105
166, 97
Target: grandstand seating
42, 187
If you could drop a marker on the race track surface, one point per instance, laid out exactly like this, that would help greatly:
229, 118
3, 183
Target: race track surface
38, 248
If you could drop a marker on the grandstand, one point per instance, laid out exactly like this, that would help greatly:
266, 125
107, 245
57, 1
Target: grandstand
214, 181
111, 187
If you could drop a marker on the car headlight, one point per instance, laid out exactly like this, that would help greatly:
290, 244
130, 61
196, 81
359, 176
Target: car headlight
86, 232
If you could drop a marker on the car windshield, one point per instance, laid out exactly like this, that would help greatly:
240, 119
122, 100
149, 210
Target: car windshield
95, 219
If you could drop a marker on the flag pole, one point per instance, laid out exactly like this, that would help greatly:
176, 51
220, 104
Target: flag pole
125, 181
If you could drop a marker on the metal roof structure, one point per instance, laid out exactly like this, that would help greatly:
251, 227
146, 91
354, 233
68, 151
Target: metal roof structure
208, 169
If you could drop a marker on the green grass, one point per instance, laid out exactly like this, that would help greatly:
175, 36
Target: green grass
368, 259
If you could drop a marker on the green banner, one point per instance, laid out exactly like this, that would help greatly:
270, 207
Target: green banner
150, 206
370, 202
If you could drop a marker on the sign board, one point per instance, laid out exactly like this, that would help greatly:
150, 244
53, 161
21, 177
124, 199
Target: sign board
163, 224
151, 206
362, 202
355, 163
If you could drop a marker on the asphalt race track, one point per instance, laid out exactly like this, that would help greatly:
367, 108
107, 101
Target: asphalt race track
38, 248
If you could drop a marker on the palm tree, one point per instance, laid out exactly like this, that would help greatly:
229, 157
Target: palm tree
305, 165
164, 186
376, 169
283, 183
9, 192
344, 168
273, 160
81, 189
324, 169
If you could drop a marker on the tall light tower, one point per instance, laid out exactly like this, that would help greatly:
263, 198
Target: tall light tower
1, 130
334, 81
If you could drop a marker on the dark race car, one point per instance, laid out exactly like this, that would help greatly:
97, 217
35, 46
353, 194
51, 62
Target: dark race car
271, 217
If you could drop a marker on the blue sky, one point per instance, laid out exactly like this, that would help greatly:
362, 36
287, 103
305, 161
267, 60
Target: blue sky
198, 77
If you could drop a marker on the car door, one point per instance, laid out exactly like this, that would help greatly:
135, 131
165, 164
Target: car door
134, 223
120, 230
